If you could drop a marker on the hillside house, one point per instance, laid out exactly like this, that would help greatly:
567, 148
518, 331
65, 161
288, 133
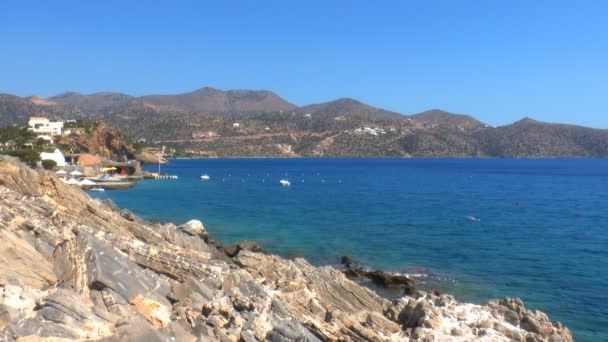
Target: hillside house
44, 127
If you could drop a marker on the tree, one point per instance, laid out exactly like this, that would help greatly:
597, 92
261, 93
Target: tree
48, 164
30, 157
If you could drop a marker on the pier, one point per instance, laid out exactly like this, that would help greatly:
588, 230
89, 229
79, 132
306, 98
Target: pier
165, 177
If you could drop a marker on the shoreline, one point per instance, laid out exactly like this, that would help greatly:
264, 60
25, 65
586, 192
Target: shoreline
96, 271
395, 158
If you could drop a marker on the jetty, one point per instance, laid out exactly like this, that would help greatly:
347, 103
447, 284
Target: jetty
165, 177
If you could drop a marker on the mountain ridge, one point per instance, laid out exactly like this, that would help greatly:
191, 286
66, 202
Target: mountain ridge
259, 123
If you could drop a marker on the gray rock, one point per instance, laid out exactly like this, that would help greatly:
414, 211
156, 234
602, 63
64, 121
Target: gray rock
129, 216
65, 307
40, 328
529, 323
187, 296
135, 328
108, 203
194, 228
251, 288
290, 331
108, 269
234, 249
279, 308
248, 336
512, 317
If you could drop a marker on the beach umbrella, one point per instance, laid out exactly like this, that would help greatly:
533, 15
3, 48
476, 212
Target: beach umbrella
87, 182
61, 172
72, 181
76, 173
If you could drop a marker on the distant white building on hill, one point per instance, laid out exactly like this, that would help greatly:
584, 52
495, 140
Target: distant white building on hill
43, 126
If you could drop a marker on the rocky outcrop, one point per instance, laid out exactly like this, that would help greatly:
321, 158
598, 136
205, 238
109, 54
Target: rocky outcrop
378, 277
145, 156
100, 139
75, 268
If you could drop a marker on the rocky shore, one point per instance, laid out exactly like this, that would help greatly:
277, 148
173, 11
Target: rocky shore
74, 268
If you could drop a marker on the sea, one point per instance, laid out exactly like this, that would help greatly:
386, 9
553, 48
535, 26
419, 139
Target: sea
479, 229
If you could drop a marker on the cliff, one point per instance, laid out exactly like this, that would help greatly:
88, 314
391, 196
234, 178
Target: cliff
80, 269
101, 139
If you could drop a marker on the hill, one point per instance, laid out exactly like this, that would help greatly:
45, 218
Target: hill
214, 101
349, 108
442, 118
252, 123
529, 138
93, 102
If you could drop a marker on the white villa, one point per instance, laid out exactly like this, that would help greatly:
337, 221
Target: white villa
45, 127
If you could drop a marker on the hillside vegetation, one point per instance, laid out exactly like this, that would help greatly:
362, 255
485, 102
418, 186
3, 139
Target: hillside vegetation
210, 122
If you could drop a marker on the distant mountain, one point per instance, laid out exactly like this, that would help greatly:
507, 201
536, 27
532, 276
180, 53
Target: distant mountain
17, 110
349, 108
257, 123
531, 138
440, 117
214, 101
92, 102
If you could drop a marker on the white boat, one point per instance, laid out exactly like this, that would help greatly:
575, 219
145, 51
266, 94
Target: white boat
285, 182
205, 178
98, 189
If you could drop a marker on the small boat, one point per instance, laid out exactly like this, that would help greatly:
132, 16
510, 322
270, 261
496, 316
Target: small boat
285, 182
205, 178
98, 189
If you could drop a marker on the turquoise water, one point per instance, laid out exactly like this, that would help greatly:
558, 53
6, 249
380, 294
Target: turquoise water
541, 228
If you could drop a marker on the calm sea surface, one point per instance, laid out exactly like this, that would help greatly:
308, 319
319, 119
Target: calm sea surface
476, 228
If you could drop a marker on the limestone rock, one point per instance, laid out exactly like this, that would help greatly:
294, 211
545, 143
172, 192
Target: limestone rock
78, 269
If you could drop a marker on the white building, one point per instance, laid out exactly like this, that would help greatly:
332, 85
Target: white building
371, 131
44, 126
236, 125
57, 156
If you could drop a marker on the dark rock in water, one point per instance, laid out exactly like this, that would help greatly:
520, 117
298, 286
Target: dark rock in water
234, 249
356, 273
379, 278
349, 263
388, 280
384, 279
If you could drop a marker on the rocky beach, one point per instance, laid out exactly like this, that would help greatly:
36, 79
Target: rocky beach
75, 268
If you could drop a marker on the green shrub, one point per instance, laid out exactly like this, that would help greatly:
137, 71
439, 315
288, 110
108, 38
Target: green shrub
48, 164
30, 157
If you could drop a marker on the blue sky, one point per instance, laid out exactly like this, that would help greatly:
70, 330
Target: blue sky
496, 60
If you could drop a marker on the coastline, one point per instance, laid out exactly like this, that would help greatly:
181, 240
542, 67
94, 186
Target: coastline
183, 287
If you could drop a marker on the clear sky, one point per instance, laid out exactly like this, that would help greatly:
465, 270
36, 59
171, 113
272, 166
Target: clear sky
496, 60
